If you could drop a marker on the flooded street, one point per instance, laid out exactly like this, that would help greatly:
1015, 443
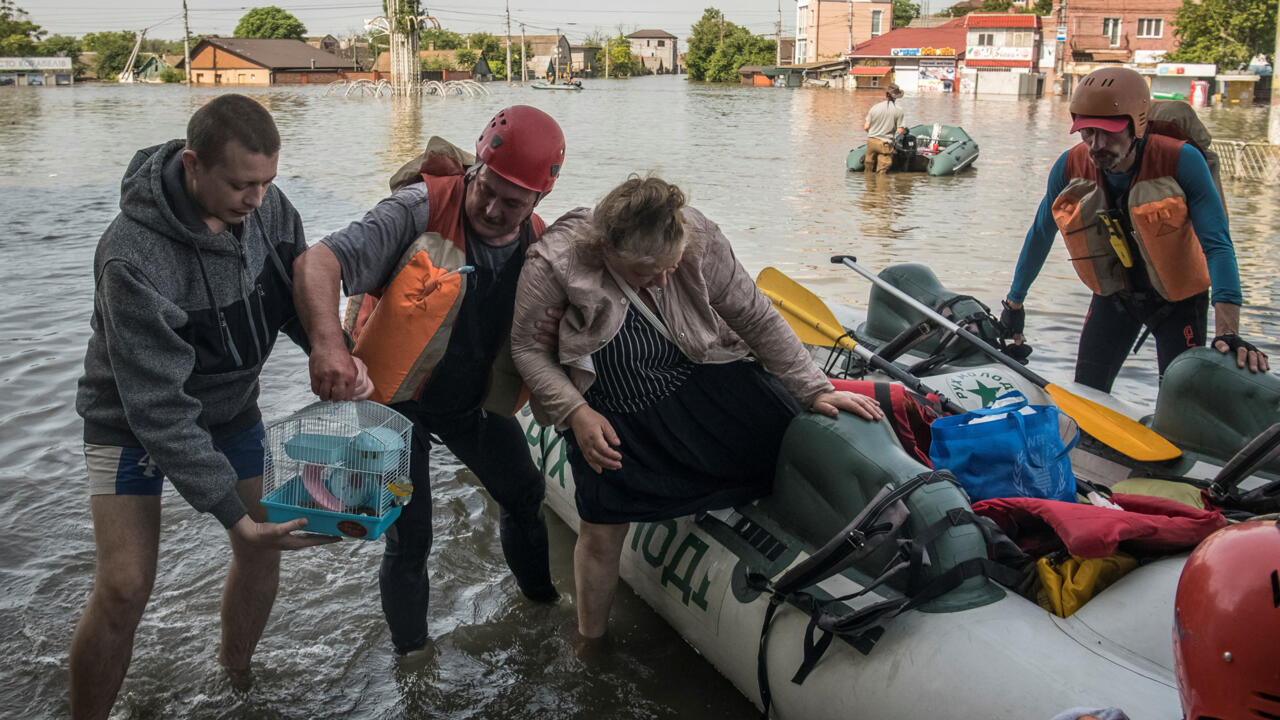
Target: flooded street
766, 164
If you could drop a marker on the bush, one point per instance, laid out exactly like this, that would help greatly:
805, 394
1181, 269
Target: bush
172, 75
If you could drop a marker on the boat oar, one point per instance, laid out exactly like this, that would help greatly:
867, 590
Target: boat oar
1110, 427
815, 324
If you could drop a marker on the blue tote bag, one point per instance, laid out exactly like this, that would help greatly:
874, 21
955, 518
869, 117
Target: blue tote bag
1011, 449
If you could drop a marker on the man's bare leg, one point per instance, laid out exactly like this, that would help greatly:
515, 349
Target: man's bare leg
250, 591
126, 530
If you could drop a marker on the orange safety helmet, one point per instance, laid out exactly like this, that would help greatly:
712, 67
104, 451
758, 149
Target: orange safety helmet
1112, 92
1226, 630
523, 145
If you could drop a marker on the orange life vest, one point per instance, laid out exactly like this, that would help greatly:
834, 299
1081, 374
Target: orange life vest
401, 330
1158, 216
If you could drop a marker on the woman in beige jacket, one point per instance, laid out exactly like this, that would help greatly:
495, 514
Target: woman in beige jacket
673, 378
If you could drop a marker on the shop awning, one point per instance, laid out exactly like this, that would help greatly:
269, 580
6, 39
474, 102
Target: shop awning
876, 71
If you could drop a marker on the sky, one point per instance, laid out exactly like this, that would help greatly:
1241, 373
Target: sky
575, 18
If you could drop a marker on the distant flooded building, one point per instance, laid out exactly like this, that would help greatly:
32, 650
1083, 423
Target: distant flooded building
35, 71
583, 59
549, 54
439, 65
1104, 32
1002, 54
260, 61
657, 50
827, 29
917, 59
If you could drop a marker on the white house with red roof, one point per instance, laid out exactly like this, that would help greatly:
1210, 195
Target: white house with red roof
917, 59
1002, 41
1002, 53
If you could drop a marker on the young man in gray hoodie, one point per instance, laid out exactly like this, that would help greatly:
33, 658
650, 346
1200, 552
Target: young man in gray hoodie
192, 284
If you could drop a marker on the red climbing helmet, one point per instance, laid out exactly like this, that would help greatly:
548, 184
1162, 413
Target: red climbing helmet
523, 145
1226, 630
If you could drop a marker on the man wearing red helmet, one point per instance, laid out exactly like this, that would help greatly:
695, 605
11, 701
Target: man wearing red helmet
431, 271
1146, 231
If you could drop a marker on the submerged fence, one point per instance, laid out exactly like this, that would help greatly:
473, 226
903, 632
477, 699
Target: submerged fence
1248, 160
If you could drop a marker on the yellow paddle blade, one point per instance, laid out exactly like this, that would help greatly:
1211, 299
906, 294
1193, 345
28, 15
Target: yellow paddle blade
805, 312
1115, 430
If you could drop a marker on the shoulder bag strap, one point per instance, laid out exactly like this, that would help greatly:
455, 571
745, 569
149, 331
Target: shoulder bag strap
640, 305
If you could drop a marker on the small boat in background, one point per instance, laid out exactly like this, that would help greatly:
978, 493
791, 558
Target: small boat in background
938, 150
571, 85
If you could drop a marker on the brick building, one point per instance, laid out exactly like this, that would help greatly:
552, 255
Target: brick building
259, 61
1112, 32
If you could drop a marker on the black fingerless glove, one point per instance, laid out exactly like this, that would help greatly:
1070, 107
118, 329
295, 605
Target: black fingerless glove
1234, 342
1014, 321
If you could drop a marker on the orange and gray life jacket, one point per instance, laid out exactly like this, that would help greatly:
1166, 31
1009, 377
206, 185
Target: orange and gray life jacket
401, 331
1161, 229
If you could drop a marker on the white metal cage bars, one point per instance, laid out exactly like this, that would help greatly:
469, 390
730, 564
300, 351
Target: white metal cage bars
351, 458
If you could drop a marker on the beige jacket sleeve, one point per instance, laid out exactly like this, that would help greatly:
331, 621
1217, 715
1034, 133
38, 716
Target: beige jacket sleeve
553, 395
746, 310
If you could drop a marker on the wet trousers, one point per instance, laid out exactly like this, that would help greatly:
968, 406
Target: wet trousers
494, 448
1112, 327
879, 156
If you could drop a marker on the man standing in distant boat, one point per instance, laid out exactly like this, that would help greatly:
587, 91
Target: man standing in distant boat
883, 121
191, 286
438, 262
1146, 231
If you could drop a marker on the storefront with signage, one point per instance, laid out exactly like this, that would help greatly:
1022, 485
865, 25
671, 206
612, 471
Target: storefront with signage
926, 69
1177, 81
35, 71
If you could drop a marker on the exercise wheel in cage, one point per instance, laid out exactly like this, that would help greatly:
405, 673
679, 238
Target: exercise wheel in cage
342, 466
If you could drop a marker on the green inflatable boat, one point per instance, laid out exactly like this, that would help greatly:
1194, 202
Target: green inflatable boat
955, 152
978, 650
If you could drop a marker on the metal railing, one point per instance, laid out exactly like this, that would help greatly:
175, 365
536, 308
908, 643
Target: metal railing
1248, 160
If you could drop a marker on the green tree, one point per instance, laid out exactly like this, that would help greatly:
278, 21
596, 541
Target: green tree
621, 62
466, 58
63, 46
494, 50
1225, 32
1044, 7
270, 22
717, 48
705, 38
113, 49
904, 11
18, 35
962, 9
442, 39
740, 47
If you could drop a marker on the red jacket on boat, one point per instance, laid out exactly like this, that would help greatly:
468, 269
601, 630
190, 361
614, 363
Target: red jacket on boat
1146, 525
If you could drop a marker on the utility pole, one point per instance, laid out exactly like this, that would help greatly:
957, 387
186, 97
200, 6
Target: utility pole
608, 42
524, 61
508, 42
777, 36
850, 25
186, 43
1060, 51
556, 58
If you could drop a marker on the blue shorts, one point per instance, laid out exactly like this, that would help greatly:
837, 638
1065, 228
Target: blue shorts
116, 470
